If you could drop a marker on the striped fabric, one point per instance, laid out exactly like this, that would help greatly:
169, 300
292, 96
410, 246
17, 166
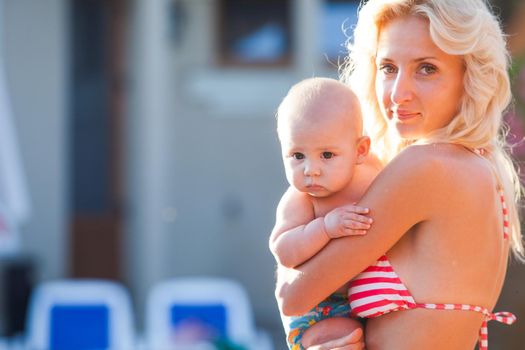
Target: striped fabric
506, 222
378, 290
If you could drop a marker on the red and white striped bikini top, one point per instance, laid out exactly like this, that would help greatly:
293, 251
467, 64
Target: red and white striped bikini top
378, 290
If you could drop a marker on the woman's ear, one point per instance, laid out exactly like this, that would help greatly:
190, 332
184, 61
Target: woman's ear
362, 148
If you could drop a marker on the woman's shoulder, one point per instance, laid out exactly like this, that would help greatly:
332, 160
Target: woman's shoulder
442, 164
436, 151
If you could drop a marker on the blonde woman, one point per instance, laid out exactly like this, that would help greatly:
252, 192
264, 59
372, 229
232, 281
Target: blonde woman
432, 79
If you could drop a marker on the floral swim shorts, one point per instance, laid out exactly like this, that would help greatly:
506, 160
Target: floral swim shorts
336, 305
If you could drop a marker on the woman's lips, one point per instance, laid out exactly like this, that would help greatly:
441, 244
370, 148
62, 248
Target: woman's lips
405, 115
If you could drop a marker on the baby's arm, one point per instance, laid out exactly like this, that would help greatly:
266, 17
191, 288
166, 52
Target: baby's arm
298, 235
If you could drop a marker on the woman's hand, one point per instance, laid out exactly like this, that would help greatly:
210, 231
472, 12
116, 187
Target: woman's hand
353, 341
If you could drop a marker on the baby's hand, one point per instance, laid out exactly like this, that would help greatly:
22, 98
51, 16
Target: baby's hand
353, 341
347, 221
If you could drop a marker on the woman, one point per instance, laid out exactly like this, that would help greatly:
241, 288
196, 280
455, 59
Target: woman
433, 77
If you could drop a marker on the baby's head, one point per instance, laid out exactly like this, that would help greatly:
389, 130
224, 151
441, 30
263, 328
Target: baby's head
319, 124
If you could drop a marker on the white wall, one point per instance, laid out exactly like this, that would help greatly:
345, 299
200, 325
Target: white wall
35, 43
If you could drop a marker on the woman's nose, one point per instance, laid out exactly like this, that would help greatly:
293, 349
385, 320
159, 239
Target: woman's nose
401, 89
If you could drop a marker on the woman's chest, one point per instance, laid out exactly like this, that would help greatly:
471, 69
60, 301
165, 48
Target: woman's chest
438, 265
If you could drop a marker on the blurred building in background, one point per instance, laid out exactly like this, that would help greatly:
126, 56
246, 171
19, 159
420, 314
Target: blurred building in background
147, 132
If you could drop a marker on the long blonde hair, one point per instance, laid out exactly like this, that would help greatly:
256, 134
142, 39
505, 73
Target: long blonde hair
458, 27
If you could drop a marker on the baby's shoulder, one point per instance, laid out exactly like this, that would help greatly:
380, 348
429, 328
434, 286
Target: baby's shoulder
293, 196
295, 204
364, 175
373, 163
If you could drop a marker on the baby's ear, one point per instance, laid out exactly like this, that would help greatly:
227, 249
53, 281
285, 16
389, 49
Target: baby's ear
362, 148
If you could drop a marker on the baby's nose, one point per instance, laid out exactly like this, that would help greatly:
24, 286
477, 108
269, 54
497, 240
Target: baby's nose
312, 169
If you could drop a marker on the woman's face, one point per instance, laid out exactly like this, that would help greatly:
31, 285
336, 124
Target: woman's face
418, 86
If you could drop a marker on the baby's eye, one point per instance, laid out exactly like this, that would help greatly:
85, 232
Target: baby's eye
327, 155
298, 156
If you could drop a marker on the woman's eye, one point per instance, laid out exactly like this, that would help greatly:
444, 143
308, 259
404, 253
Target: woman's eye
327, 155
298, 156
428, 69
387, 68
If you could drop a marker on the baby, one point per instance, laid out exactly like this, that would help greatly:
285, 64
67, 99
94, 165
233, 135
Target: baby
329, 167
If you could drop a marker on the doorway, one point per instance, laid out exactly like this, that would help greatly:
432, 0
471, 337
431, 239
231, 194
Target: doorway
96, 129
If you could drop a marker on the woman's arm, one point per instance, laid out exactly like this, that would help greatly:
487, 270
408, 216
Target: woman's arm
407, 192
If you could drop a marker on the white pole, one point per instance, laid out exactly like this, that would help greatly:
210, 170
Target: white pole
14, 197
147, 144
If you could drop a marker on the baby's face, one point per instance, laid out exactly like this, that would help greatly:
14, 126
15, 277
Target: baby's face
319, 154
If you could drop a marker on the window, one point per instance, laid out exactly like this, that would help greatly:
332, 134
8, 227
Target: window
255, 32
338, 19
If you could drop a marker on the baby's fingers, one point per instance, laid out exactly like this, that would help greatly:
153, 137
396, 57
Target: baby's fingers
353, 341
352, 232
352, 208
351, 227
359, 346
357, 217
355, 225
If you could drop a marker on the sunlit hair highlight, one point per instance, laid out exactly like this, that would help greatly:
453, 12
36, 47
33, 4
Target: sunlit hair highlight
459, 27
